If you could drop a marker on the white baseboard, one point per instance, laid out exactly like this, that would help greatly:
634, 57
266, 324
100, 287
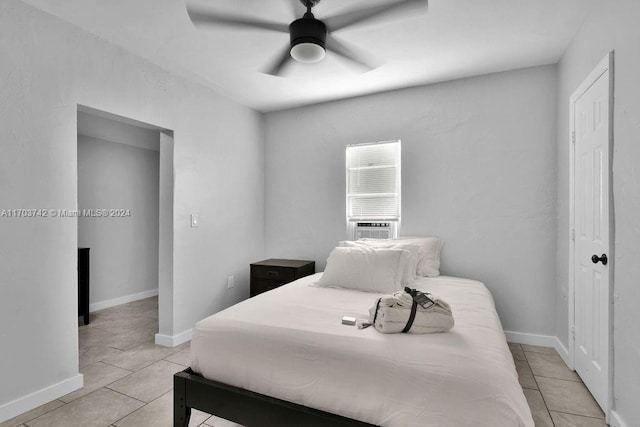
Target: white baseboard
122, 300
562, 351
616, 421
542, 340
33, 400
530, 339
174, 340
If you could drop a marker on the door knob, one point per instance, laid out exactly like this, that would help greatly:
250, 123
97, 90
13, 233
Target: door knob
596, 258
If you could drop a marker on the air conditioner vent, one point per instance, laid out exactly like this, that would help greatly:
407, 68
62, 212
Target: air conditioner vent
373, 230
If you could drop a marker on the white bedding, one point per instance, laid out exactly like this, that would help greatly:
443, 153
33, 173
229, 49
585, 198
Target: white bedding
289, 343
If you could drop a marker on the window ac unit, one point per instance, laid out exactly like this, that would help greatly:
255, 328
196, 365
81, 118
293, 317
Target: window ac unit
373, 230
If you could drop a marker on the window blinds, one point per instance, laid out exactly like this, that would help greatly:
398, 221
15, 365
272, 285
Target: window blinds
373, 181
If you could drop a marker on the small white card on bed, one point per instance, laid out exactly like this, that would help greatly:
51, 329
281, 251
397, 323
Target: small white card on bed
348, 320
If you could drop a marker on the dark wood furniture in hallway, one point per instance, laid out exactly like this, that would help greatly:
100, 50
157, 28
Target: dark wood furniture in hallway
83, 284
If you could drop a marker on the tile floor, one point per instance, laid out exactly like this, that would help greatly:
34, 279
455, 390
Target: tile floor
128, 380
556, 395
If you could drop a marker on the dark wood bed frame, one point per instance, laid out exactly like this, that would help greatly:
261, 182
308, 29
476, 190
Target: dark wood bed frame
192, 391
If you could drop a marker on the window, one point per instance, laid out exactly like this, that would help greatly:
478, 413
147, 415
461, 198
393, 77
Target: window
373, 182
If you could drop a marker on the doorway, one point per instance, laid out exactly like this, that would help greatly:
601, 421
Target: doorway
591, 268
125, 215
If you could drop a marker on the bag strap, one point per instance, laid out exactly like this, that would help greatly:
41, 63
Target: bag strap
412, 316
417, 297
375, 316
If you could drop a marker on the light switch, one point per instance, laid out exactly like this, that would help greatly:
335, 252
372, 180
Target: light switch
195, 221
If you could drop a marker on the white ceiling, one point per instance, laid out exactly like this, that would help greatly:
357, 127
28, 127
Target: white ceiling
449, 40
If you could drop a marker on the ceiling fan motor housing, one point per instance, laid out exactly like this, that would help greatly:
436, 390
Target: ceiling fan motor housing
308, 30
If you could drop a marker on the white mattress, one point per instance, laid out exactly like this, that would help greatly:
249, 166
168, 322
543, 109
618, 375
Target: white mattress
289, 343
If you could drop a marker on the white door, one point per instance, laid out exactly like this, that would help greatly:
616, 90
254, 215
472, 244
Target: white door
591, 221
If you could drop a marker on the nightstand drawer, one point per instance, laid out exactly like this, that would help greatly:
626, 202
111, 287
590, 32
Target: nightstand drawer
285, 274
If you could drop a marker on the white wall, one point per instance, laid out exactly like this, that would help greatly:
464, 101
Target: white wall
124, 250
47, 68
478, 169
610, 26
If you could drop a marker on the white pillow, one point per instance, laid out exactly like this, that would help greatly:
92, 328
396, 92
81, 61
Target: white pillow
365, 269
409, 274
429, 254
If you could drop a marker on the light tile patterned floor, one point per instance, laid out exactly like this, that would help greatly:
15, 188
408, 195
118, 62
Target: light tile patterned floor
556, 395
128, 380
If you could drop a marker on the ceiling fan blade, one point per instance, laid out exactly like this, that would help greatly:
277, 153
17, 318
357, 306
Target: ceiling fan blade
350, 53
201, 16
349, 18
278, 65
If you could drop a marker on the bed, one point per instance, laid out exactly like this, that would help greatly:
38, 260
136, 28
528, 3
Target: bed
284, 358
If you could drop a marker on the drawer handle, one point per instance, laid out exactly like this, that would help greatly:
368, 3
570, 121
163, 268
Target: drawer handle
272, 273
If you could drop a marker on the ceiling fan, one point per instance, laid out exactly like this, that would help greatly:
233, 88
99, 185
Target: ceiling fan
310, 37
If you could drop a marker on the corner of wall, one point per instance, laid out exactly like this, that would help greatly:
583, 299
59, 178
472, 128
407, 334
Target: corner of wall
173, 340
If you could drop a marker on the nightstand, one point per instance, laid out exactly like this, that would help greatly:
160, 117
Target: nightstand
271, 273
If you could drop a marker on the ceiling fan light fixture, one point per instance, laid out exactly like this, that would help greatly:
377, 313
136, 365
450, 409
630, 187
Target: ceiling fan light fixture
307, 53
308, 39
